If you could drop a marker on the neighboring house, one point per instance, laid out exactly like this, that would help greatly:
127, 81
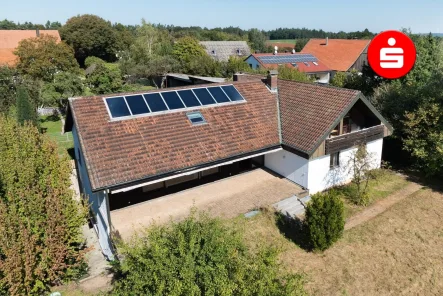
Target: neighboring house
9, 40
305, 63
222, 50
339, 54
132, 144
179, 79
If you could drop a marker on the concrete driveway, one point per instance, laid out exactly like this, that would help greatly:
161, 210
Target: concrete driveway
226, 198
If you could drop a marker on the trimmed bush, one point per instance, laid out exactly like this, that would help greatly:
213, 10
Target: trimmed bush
199, 256
325, 219
40, 222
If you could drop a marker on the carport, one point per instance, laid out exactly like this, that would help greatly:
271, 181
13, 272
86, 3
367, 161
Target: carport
227, 197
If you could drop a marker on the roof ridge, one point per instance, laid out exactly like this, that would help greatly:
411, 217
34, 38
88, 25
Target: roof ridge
177, 88
321, 85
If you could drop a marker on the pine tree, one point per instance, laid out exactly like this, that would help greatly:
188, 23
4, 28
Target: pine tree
25, 109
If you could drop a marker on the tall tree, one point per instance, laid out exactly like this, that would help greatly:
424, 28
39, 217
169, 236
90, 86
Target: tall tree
90, 35
257, 40
187, 48
42, 57
26, 111
40, 222
104, 79
7, 88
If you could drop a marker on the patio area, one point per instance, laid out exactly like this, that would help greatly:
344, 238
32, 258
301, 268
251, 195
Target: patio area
227, 197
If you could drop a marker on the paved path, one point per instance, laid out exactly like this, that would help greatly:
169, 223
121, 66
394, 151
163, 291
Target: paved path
381, 205
226, 198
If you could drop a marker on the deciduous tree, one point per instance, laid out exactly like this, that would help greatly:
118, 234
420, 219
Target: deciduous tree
40, 221
42, 57
91, 35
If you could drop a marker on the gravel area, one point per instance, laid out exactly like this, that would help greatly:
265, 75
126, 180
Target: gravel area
226, 198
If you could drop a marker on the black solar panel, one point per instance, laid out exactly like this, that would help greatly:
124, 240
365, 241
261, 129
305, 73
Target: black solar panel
204, 96
132, 105
117, 106
188, 98
137, 104
287, 59
218, 94
155, 102
172, 100
232, 93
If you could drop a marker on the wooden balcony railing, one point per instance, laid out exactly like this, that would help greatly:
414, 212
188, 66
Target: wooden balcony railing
346, 141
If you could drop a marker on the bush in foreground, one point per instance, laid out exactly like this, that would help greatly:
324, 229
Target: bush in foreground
199, 256
40, 222
325, 219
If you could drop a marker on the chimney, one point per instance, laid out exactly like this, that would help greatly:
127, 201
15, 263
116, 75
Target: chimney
326, 41
275, 50
238, 76
37, 32
293, 50
271, 80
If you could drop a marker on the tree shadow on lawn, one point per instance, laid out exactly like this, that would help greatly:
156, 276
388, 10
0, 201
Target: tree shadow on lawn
51, 118
294, 229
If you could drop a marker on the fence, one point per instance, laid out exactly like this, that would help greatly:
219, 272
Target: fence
48, 111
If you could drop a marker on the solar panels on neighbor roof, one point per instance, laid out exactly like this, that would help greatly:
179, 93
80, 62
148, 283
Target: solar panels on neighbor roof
143, 104
288, 59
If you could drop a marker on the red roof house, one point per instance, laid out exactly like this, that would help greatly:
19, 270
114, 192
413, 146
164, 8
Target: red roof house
339, 54
9, 40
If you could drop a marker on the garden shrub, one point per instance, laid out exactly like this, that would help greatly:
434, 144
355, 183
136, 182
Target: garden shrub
325, 219
199, 256
39, 219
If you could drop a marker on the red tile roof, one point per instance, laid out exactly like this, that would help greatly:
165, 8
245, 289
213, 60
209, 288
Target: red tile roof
118, 152
308, 111
312, 68
9, 40
339, 54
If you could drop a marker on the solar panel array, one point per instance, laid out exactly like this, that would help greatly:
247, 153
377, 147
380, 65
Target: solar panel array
288, 59
132, 105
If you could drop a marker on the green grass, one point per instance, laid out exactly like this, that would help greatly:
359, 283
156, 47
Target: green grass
386, 183
52, 126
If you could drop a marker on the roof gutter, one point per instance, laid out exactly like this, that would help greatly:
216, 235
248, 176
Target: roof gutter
186, 172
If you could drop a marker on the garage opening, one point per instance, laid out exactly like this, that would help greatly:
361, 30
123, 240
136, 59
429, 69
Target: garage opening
156, 190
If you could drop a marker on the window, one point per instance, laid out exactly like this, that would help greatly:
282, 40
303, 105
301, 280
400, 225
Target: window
315, 63
196, 118
250, 65
257, 66
213, 52
334, 160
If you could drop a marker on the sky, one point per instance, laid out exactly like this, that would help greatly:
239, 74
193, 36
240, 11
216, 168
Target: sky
422, 16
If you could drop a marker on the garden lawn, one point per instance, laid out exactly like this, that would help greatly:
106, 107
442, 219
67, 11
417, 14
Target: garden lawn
386, 183
396, 253
52, 126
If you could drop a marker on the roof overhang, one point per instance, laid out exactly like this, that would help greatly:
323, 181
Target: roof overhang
361, 97
190, 171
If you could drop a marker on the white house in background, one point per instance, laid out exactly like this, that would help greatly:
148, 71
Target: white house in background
306, 63
130, 145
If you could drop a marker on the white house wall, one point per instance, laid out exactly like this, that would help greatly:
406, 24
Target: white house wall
98, 201
322, 177
289, 165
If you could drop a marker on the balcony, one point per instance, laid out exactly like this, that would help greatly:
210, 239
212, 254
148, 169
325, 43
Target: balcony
345, 141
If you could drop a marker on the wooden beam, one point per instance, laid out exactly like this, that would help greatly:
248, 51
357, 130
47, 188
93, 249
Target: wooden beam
341, 127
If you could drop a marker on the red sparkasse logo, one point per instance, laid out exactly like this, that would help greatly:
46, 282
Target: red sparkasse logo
391, 54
